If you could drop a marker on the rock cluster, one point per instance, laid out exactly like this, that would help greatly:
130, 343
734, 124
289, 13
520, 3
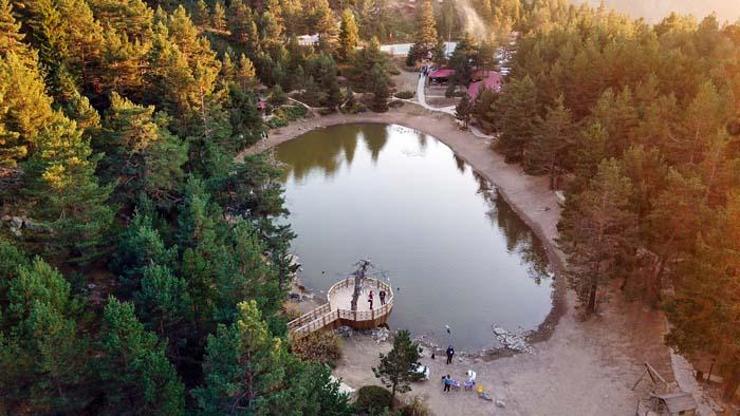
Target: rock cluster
17, 223
510, 341
344, 331
380, 334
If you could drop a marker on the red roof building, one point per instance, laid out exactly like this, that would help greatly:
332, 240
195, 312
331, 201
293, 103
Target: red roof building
491, 81
442, 74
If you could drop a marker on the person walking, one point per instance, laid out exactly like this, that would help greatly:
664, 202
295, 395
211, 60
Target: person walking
381, 294
370, 299
450, 353
447, 382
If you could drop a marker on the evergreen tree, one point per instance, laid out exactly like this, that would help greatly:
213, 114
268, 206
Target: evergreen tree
380, 90
463, 109
248, 371
597, 233
43, 357
518, 112
218, 19
326, 26
549, 150
348, 35
426, 36
246, 75
24, 108
202, 15
137, 375
704, 309
397, 368
70, 205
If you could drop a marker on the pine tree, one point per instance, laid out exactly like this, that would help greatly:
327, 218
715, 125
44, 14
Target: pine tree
136, 374
24, 108
397, 368
202, 15
704, 309
42, 361
348, 35
463, 110
597, 232
70, 205
246, 75
140, 245
326, 26
518, 112
11, 38
218, 19
549, 150
426, 36
244, 366
380, 90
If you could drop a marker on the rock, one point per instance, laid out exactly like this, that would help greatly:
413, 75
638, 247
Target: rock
16, 222
512, 342
380, 334
500, 403
294, 296
499, 331
344, 331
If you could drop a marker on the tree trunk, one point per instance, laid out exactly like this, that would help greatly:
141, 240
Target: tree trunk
731, 386
591, 308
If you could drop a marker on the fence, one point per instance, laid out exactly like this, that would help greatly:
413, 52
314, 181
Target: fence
325, 315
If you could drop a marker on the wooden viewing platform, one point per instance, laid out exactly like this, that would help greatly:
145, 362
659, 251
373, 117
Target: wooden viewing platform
338, 310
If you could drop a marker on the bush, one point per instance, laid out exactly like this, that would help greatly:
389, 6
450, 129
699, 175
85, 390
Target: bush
276, 122
396, 104
404, 95
417, 407
294, 112
320, 346
372, 399
394, 71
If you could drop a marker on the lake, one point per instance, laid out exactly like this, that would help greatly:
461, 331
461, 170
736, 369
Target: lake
454, 252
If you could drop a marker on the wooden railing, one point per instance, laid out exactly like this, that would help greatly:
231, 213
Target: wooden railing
324, 315
310, 316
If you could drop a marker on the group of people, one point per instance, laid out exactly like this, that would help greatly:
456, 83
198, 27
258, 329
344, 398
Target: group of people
448, 382
371, 296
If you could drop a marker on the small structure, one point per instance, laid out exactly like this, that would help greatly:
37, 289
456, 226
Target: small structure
308, 40
490, 80
338, 311
670, 404
441, 75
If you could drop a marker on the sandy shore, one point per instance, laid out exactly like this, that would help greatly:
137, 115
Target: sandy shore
579, 368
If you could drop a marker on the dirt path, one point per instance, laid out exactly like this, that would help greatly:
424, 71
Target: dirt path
584, 368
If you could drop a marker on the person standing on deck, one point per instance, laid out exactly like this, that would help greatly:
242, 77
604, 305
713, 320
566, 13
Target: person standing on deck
370, 299
450, 353
381, 294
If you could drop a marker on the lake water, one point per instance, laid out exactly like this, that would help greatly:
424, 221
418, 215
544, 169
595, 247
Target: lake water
454, 252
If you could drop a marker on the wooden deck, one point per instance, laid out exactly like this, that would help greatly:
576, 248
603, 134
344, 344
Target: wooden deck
337, 311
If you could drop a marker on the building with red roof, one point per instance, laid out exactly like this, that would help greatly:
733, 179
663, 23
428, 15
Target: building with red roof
442, 75
491, 80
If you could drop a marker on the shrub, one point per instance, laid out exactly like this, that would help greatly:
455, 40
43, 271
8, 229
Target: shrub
417, 407
405, 95
396, 104
277, 122
372, 399
320, 346
394, 71
294, 112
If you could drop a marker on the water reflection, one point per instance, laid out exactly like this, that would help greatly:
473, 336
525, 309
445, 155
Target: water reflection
455, 251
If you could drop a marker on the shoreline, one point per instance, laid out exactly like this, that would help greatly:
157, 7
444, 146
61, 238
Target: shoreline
576, 366
529, 196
